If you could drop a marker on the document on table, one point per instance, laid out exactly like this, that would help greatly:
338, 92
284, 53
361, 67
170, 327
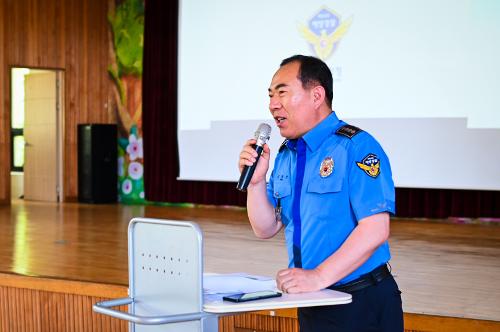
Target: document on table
235, 283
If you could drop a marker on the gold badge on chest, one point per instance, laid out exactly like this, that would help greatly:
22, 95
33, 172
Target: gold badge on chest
326, 167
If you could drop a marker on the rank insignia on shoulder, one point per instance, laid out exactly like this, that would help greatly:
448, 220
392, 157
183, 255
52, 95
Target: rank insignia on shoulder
348, 131
326, 167
370, 164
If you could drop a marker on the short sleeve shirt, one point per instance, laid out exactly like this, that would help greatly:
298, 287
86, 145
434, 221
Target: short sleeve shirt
333, 199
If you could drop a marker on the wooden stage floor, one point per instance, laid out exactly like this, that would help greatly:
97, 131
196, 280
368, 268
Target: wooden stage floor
442, 268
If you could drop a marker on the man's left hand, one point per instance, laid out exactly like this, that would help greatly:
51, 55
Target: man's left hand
297, 280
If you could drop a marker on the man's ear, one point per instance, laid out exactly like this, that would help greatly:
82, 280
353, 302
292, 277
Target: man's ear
318, 93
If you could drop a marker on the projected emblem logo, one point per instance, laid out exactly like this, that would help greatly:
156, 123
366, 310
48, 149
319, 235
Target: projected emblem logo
370, 164
324, 31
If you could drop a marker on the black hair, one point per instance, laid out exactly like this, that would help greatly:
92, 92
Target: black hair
313, 72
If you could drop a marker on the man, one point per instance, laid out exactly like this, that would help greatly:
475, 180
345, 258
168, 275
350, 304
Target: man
332, 189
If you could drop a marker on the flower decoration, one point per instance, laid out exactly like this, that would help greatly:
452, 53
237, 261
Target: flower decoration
127, 186
135, 170
134, 148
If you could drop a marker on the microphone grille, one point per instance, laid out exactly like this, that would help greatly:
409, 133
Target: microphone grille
263, 133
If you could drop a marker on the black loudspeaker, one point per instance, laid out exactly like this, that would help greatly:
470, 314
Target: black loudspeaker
97, 163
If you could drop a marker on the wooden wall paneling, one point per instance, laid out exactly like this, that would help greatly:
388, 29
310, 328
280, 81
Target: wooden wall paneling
95, 321
98, 30
24, 315
35, 298
78, 109
45, 312
72, 86
75, 308
93, 73
5, 144
7, 304
418, 322
68, 309
36, 310
25, 309
4, 116
83, 65
283, 320
89, 313
259, 322
4, 300
88, 82
3, 311
58, 306
28, 310
17, 310
226, 324
67, 35
79, 313
59, 38
32, 35
48, 38
25, 55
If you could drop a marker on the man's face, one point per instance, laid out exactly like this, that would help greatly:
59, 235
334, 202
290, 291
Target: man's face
290, 104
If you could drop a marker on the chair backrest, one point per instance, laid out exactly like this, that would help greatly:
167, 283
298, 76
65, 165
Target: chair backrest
165, 271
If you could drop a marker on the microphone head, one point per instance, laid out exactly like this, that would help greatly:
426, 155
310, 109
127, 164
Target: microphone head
262, 134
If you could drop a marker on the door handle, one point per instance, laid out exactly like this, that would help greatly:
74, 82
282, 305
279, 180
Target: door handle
27, 145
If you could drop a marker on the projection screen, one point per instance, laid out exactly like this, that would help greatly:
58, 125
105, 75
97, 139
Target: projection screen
423, 77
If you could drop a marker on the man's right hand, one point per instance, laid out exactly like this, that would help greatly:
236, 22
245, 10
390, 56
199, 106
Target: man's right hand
247, 158
260, 210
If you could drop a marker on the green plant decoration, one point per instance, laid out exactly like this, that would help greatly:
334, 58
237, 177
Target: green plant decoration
127, 27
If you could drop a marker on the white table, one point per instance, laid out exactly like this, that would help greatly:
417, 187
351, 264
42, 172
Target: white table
321, 298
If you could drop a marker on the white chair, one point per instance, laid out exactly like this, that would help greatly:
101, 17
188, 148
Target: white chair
165, 278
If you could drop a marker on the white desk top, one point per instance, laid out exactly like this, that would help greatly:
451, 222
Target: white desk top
323, 297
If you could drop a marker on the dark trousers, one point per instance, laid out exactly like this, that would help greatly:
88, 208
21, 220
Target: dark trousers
374, 308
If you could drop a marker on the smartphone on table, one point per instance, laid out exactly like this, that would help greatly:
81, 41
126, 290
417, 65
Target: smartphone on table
244, 297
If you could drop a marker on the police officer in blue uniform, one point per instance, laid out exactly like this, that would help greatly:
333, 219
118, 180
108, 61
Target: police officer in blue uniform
331, 189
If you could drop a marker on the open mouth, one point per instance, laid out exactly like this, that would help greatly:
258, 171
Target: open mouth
279, 120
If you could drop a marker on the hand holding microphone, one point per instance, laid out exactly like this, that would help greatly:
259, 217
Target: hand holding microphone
249, 158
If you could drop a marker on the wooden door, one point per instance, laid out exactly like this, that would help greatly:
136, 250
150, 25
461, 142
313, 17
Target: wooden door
40, 134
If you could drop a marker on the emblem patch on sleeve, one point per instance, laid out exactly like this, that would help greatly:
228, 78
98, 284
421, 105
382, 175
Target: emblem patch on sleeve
370, 165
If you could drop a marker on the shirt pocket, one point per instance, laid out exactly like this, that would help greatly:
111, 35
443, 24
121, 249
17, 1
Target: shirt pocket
330, 184
326, 199
333, 182
282, 189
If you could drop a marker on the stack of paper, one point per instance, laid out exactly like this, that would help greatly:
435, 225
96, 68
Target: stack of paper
235, 283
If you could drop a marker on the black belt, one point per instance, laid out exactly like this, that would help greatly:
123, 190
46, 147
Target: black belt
366, 280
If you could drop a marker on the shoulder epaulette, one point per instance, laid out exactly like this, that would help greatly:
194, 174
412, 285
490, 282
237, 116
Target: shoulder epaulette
283, 145
348, 131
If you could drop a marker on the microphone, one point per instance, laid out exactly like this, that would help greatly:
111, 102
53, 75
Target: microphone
261, 136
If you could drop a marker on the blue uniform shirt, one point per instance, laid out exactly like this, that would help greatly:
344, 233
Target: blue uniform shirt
333, 200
